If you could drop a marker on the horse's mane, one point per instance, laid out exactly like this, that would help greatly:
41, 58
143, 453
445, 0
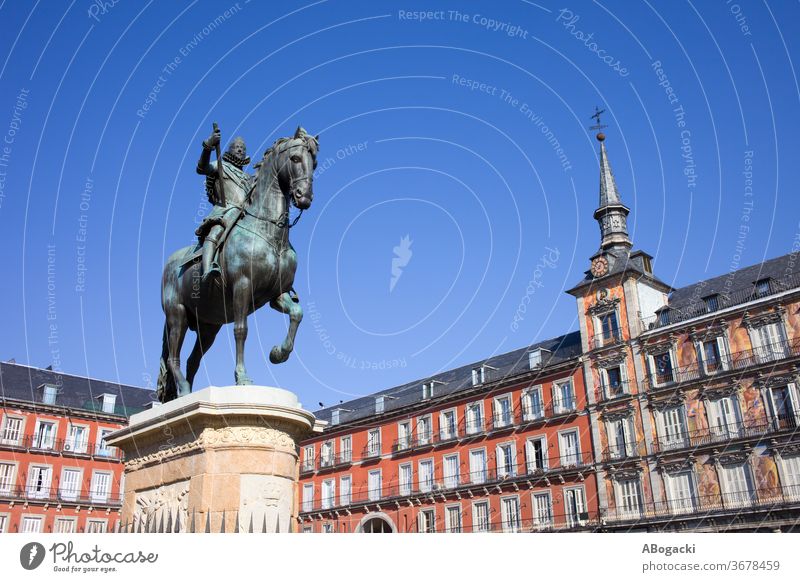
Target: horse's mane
310, 141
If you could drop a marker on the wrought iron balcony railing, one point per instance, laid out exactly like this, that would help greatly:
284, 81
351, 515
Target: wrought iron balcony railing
727, 432
606, 338
333, 461
30, 493
38, 444
615, 390
621, 452
371, 451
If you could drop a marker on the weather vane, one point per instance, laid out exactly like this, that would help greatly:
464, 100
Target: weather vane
599, 126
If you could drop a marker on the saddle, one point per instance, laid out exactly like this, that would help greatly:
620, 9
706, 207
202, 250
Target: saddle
196, 253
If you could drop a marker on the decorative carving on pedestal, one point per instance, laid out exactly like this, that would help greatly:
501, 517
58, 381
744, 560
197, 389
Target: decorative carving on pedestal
165, 502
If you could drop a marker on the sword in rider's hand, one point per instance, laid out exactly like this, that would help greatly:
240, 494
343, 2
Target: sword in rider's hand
220, 170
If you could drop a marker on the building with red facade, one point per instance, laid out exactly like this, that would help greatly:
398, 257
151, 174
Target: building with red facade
56, 472
670, 409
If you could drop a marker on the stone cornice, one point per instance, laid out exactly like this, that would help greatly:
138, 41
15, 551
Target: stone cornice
755, 321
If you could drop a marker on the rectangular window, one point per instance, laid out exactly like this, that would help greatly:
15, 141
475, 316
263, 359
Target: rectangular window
45, 436
308, 529
12, 431
609, 329
374, 443
308, 496
108, 403
49, 394
77, 439
335, 416
346, 444
328, 493
478, 376
7, 471
64, 525
737, 485
39, 479
575, 506
569, 448
308, 458
102, 449
327, 527
326, 454
536, 452
680, 492
403, 435
532, 404
614, 384
448, 425
451, 465
474, 417
542, 510
3, 524
427, 521
70, 486
374, 484
535, 359
663, 368
95, 526
427, 390
723, 418
506, 464
452, 519
762, 288
563, 397
100, 487
711, 303
784, 404
622, 443
426, 476
345, 489
713, 355
672, 427
406, 479
510, 514
791, 476
771, 342
32, 524
503, 412
424, 430
480, 516
630, 502
477, 466
380, 402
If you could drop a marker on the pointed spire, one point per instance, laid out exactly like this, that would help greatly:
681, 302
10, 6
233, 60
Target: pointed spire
612, 214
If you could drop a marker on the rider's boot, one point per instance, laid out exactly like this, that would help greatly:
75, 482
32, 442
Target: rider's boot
210, 267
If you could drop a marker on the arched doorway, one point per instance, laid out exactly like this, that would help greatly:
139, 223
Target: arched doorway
376, 523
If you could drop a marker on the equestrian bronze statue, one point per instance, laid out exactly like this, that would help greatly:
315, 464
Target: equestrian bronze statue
243, 259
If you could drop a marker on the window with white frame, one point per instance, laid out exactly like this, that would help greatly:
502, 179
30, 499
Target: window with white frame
629, 498
613, 381
380, 403
7, 477
107, 402
424, 429
536, 454
783, 403
345, 490
328, 493
308, 458
680, 491
532, 403
448, 424
452, 519
724, 420
671, 427
563, 397
478, 375
406, 479
335, 416
542, 509
426, 521
308, 496
713, 354
790, 476
403, 435
39, 479
12, 430
77, 438
308, 529
661, 365
96, 526
770, 342
509, 507
711, 303
609, 329
70, 485
506, 460
65, 525
477, 466
100, 488
503, 411
737, 484
102, 449
569, 448
374, 485
535, 359
450, 471
621, 438
575, 506
426, 476
326, 454
374, 442
49, 394
427, 390
474, 422
327, 527
346, 445
480, 516
44, 435
32, 524
3, 523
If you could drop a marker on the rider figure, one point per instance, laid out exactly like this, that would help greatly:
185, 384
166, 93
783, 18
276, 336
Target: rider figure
237, 184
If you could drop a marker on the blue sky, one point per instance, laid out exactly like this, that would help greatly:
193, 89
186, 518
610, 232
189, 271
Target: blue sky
464, 129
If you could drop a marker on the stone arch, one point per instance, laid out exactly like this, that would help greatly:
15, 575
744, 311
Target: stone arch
376, 522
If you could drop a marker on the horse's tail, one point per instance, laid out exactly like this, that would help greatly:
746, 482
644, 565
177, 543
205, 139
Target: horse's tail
165, 388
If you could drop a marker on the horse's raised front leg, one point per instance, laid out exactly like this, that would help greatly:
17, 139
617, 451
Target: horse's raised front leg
242, 296
284, 304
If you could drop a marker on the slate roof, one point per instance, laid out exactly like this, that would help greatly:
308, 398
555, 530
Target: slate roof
562, 349
19, 382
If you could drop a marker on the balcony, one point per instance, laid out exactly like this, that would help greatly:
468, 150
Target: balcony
549, 522
605, 339
735, 362
371, 451
333, 461
617, 453
307, 466
700, 308
616, 390
413, 443
56, 495
503, 421
723, 433
36, 444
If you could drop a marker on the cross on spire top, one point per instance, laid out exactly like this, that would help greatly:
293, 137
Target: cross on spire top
599, 126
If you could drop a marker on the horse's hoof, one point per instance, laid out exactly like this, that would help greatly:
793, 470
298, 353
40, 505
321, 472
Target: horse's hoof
242, 379
278, 355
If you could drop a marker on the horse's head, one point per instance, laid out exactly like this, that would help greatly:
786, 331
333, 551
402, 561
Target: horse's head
295, 161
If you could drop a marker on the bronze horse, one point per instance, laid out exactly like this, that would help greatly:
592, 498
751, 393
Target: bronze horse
258, 265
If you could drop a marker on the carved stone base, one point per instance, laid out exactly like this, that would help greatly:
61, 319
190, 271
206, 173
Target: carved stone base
216, 459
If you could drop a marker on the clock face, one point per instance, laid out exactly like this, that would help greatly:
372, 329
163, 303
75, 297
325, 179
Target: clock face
599, 266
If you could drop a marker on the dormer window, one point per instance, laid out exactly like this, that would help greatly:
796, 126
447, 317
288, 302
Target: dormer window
107, 402
647, 264
427, 390
49, 393
380, 402
335, 416
663, 317
478, 376
762, 288
536, 357
712, 303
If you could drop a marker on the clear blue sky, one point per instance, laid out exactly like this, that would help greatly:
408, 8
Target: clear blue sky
98, 181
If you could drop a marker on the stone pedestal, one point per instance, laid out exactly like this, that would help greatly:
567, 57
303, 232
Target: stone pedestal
220, 459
